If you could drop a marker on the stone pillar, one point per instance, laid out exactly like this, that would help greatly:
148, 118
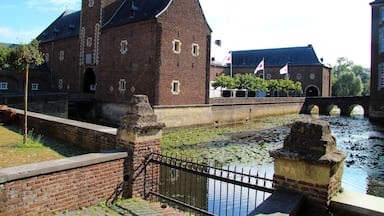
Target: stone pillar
310, 163
140, 134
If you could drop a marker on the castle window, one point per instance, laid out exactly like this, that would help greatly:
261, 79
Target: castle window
124, 47
46, 57
122, 85
176, 46
3, 86
35, 86
60, 84
91, 3
381, 76
195, 49
381, 40
298, 76
382, 14
88, 58
61, 55
89, 41
269, 76
175, 87
312, 76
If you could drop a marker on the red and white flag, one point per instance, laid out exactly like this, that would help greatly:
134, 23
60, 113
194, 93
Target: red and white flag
284, 70
228, 58
259, 67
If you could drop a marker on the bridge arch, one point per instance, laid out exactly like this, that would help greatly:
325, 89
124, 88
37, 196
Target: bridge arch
313, 109
333, 109
356, 110
312, 91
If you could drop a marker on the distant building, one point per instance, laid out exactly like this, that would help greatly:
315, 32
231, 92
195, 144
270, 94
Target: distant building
303, 66
376, 109
115, 49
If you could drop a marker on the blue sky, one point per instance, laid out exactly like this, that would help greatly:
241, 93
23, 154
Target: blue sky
335, 28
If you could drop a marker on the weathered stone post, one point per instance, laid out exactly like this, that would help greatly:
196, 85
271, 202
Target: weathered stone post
140, 135
310, 163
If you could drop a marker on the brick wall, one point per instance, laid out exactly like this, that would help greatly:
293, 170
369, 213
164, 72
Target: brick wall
89, 136
316, 193
184, 21
56, 186
66, 69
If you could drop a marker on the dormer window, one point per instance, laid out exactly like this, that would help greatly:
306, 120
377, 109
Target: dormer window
56, 31
71, 27
133, 10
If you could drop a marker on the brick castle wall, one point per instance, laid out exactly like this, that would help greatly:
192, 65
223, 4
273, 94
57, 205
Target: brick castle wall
59, 190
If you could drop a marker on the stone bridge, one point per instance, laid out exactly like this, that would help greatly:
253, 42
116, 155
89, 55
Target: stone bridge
325, 105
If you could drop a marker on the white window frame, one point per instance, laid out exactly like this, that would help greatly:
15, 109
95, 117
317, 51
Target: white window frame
312, 76
91, 3
35, 86
89, 41
122, 85
176, 46
60, 84
175, 87
61, 55
380, 78
195, 49
124, 47
3, 86
46, 57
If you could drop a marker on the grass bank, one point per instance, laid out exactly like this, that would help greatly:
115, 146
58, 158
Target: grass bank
38, 149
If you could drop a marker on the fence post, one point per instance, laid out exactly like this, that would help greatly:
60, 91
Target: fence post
310, 163
140, 134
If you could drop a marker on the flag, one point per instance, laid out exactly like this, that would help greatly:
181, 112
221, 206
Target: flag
259, 67
284, 70
228, 58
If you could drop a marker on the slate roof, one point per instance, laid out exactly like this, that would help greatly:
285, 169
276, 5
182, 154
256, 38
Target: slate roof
143, 10
377, 2
295, 56
65, 26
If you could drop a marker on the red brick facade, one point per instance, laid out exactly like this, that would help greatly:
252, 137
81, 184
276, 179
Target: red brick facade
134, 57
376, 110
59, 191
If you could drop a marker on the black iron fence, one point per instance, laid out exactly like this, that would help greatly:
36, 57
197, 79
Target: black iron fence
202, 189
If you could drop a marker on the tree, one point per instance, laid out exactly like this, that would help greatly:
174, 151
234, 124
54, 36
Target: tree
344, 66
224, 82
244, 81
23, 56
348, 84
274, 86
4, 58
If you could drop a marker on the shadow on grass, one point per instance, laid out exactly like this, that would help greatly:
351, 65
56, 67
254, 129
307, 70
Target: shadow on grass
57, 145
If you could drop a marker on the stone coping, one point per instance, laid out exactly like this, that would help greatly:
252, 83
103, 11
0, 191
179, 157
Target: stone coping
349, 202
95, 127
327, 159
41, 168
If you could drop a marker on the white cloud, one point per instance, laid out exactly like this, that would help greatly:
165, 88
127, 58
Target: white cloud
18, 36
53, 5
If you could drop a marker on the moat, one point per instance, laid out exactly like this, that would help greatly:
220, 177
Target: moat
361, 139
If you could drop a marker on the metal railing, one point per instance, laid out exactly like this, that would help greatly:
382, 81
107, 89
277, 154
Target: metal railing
203, 189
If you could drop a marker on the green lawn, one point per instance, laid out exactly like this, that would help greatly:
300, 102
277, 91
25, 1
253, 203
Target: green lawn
13, 153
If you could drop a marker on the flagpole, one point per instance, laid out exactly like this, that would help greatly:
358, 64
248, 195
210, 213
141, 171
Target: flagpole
264, 70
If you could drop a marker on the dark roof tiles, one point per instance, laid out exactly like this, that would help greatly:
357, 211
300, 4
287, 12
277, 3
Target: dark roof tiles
276, 57
65, 26
133, 10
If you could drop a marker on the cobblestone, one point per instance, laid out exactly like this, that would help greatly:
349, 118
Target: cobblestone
132, 207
